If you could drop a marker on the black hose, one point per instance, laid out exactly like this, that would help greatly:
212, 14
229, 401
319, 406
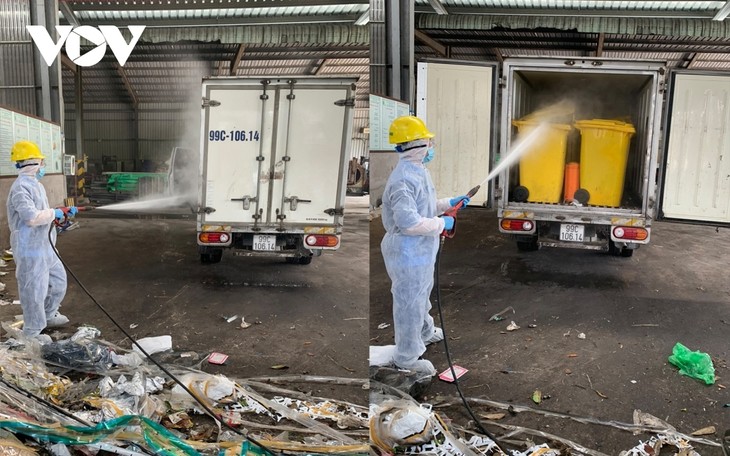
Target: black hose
175, 379
437, 286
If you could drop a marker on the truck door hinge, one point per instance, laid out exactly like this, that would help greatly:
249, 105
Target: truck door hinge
246, 201
204, 210
335, 211
294, 201
346, 102
208, 103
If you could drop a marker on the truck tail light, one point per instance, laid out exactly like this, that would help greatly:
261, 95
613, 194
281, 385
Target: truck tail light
517, 225
630, 233
214, 238
321, 240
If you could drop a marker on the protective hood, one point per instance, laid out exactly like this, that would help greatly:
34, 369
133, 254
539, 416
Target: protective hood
29, 167
414, 151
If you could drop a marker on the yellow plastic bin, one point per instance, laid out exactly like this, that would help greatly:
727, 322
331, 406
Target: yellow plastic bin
604, 151
543, 164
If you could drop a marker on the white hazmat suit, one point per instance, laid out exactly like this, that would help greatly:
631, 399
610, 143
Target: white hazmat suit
409, 248
40, 274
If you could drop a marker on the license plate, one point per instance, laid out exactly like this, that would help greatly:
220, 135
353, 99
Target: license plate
266, 242
571, 233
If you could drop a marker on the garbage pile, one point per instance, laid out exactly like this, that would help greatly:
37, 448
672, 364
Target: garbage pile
400, 425
82, 395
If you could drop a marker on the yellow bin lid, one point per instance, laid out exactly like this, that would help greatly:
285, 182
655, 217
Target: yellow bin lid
602, 124
535, 123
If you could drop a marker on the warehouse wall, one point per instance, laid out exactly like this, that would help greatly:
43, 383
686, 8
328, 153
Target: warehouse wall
118, 139
19, 90
17, 87
113, 136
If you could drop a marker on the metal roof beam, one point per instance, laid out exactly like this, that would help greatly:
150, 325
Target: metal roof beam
364, 18
68, 13
128, 86
193, 57
688, 59
159, 5
438, 7
320, 66
237, 59
229, 21
68, 63
723, 13
430, 42
573, 12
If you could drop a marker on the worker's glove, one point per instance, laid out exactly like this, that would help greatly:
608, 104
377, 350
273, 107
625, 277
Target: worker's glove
59, 214
72, 211
454, 201
448, 222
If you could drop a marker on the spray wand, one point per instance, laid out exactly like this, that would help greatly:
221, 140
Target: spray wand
451, 212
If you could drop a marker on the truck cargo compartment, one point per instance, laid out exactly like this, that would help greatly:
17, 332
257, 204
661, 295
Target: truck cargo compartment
594, 93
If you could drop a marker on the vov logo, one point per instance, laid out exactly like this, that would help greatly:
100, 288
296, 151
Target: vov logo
105, 34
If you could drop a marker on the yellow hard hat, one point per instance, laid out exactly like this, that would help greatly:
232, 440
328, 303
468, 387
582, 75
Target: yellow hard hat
406, 129
25, 150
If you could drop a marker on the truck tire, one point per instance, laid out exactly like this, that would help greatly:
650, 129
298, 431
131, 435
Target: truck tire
211, 256
521, 194
528, 246
299, 260
582, 196
619, 251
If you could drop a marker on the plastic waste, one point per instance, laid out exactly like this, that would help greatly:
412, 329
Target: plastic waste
381, 355
398, 423
67, 353
154, 345
693, 364
413, 383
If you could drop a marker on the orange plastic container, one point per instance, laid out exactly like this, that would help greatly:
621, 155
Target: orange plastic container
572, 180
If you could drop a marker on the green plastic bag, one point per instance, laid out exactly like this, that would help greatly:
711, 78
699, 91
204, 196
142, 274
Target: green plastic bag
693, 364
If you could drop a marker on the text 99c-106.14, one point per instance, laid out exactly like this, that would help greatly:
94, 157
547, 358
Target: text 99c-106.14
233, 135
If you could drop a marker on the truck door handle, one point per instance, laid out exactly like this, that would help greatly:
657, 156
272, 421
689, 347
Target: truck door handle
246, 201
294, 201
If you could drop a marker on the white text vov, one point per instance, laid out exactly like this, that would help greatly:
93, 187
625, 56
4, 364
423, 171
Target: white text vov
101, 36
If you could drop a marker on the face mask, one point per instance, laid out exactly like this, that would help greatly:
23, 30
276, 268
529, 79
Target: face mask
429, 155
41, 172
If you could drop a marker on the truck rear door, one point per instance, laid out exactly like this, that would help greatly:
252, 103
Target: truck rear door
309, 160
696, 175
275, 151
457, 102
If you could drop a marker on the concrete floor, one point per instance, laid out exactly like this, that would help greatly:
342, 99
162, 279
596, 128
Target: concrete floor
632, 311
311, 318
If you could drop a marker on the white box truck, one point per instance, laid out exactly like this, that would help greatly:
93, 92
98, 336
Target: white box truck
676, 161
273, 166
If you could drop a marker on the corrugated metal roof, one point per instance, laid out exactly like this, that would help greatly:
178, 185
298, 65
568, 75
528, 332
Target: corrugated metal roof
584, 4
130, 14
698, 28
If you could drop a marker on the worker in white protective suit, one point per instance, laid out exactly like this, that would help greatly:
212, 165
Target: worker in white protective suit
413, 227
40, 274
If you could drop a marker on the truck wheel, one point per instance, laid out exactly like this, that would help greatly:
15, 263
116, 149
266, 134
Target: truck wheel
619, 251
211, 256
299, 260
582, 196
528, 246
521, 194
